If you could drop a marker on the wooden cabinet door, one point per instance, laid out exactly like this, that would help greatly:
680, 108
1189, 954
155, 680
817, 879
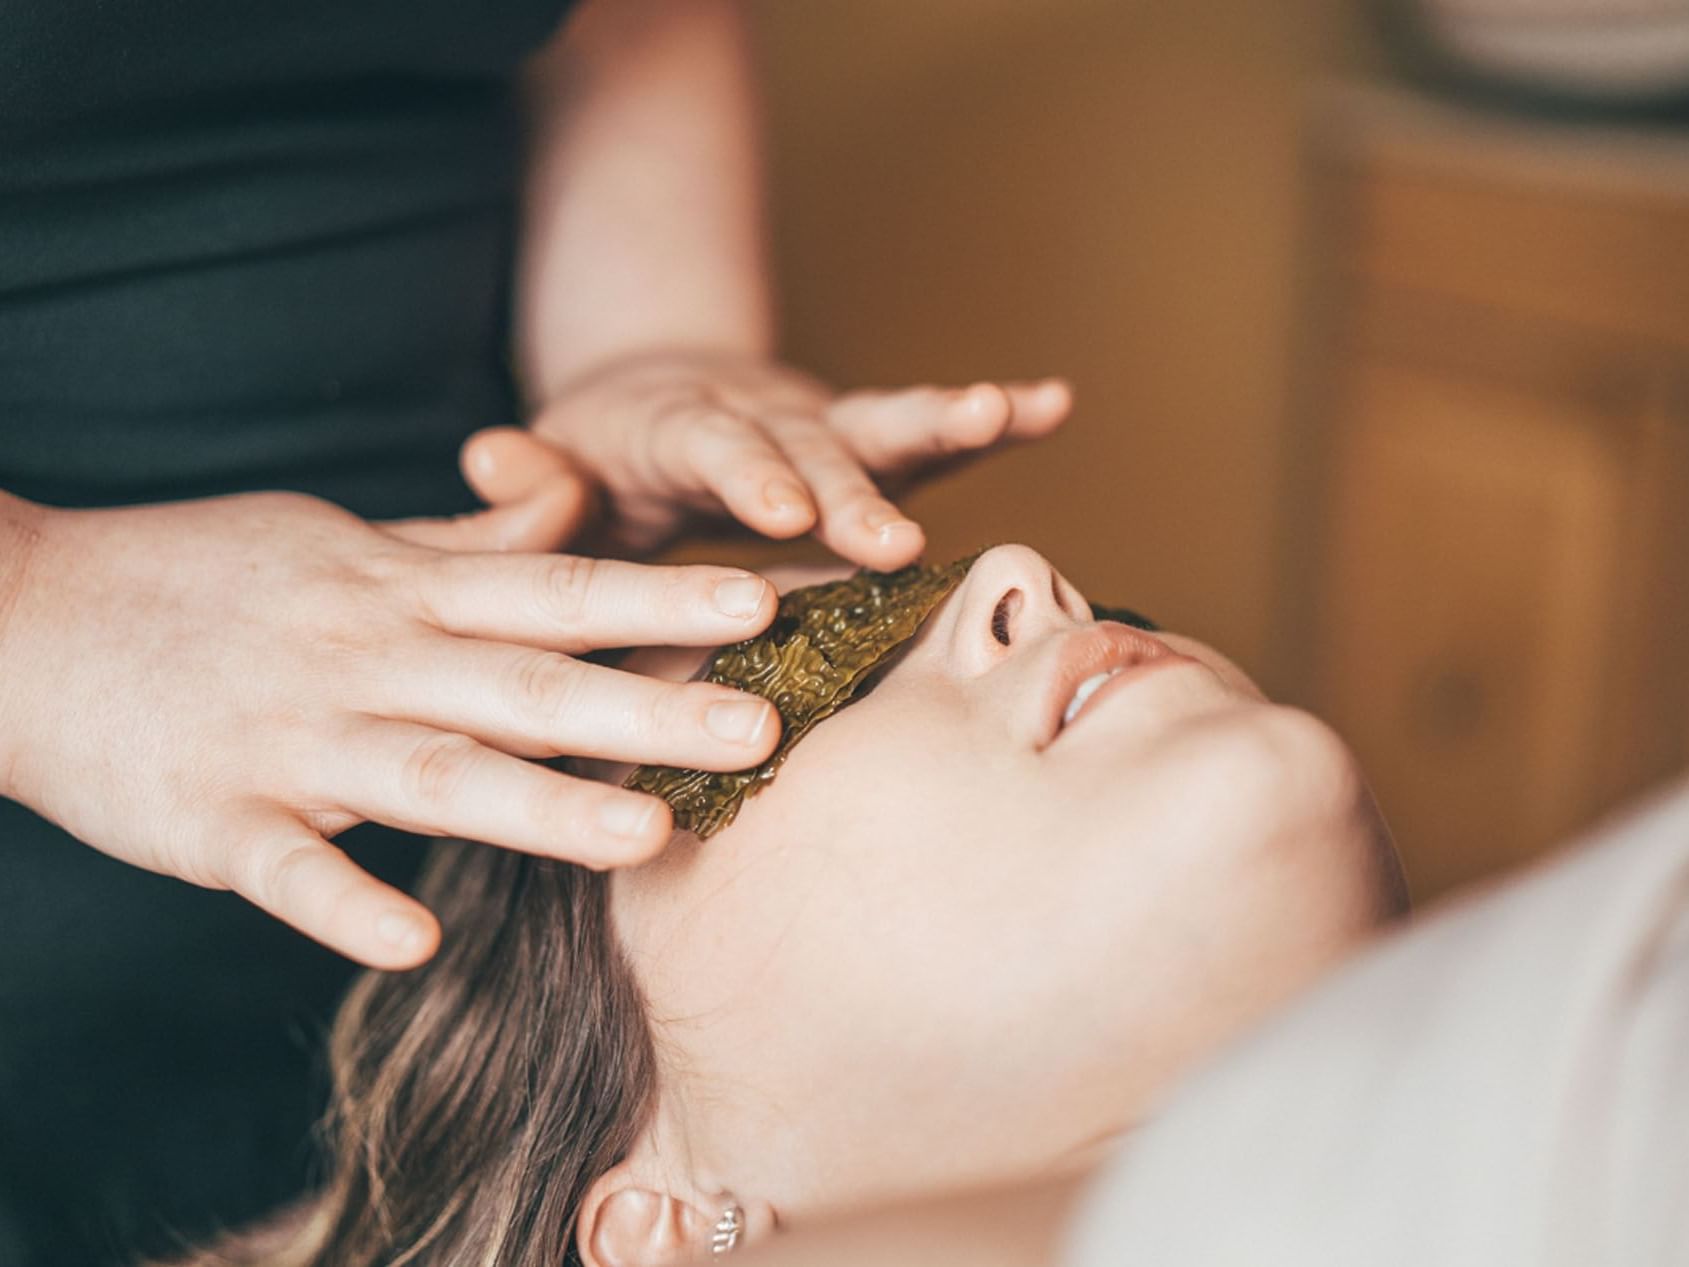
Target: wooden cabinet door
1466, 602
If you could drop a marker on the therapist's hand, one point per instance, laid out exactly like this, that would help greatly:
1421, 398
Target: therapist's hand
214, 689
674, 437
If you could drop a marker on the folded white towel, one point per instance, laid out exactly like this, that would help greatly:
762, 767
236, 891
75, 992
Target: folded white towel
1506, 1083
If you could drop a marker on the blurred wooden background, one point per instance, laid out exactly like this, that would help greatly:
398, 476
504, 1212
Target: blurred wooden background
1104, 190
1494, 606
1159, 202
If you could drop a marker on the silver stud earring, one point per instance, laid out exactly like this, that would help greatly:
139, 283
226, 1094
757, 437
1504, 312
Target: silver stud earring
728, 1229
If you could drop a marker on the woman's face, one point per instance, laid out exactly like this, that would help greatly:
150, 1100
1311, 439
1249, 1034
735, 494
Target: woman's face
960, 940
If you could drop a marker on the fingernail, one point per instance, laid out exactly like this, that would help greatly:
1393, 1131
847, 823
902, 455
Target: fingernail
887, 522
784, 495
883, 516
740, 596
626, 816
737, 721
903, 530
400, 931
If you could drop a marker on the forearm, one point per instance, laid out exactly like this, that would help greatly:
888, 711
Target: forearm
643, 219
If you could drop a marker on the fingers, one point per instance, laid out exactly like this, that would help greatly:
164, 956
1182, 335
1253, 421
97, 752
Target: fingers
889, 431
543, 520
539, 703
892, 431
705, 447
855, 520
1040, 407
537, 500
506, 464
574, 604
440, 784
281, 865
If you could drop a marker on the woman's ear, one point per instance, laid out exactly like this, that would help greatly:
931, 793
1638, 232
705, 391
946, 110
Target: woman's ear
624, 1223
627, 1222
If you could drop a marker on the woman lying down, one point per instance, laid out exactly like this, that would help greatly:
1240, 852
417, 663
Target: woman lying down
964, 931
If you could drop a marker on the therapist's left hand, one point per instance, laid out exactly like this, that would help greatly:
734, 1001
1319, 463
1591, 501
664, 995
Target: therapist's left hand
675, 437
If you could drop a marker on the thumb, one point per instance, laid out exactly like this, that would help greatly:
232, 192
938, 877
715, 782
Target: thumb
536, 499
505, 464
540, 522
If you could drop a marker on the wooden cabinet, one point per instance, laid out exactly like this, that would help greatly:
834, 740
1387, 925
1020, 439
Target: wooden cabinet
1497, 608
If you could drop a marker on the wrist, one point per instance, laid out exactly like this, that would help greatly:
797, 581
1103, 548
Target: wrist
649, 357
22, 525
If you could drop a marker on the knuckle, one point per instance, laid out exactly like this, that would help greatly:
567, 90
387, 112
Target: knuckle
554, 811
981, 425
567, 586
838, 469
674, 592
713, 432
284, 868
714, 419
677, 711
543, 685
436, 768
271, 873
397, 569
641, 715
199, 867
681, 594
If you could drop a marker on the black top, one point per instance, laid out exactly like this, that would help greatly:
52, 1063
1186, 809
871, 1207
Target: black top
243, 244
252, 245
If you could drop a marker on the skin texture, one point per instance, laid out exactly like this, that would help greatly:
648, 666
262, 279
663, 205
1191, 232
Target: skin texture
1057, 930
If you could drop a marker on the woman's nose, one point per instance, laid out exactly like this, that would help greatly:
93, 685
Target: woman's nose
1012, 597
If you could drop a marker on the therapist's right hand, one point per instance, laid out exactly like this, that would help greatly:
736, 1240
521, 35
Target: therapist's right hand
215, 689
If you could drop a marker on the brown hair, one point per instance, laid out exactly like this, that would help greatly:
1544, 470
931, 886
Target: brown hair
477, 1098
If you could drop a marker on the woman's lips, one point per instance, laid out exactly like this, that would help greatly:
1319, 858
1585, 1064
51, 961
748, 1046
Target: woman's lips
1123, 679
1096, 649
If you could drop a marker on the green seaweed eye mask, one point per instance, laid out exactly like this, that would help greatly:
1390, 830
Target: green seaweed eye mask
824, 645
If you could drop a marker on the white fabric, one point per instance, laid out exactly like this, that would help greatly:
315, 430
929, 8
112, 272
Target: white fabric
1506, 1083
